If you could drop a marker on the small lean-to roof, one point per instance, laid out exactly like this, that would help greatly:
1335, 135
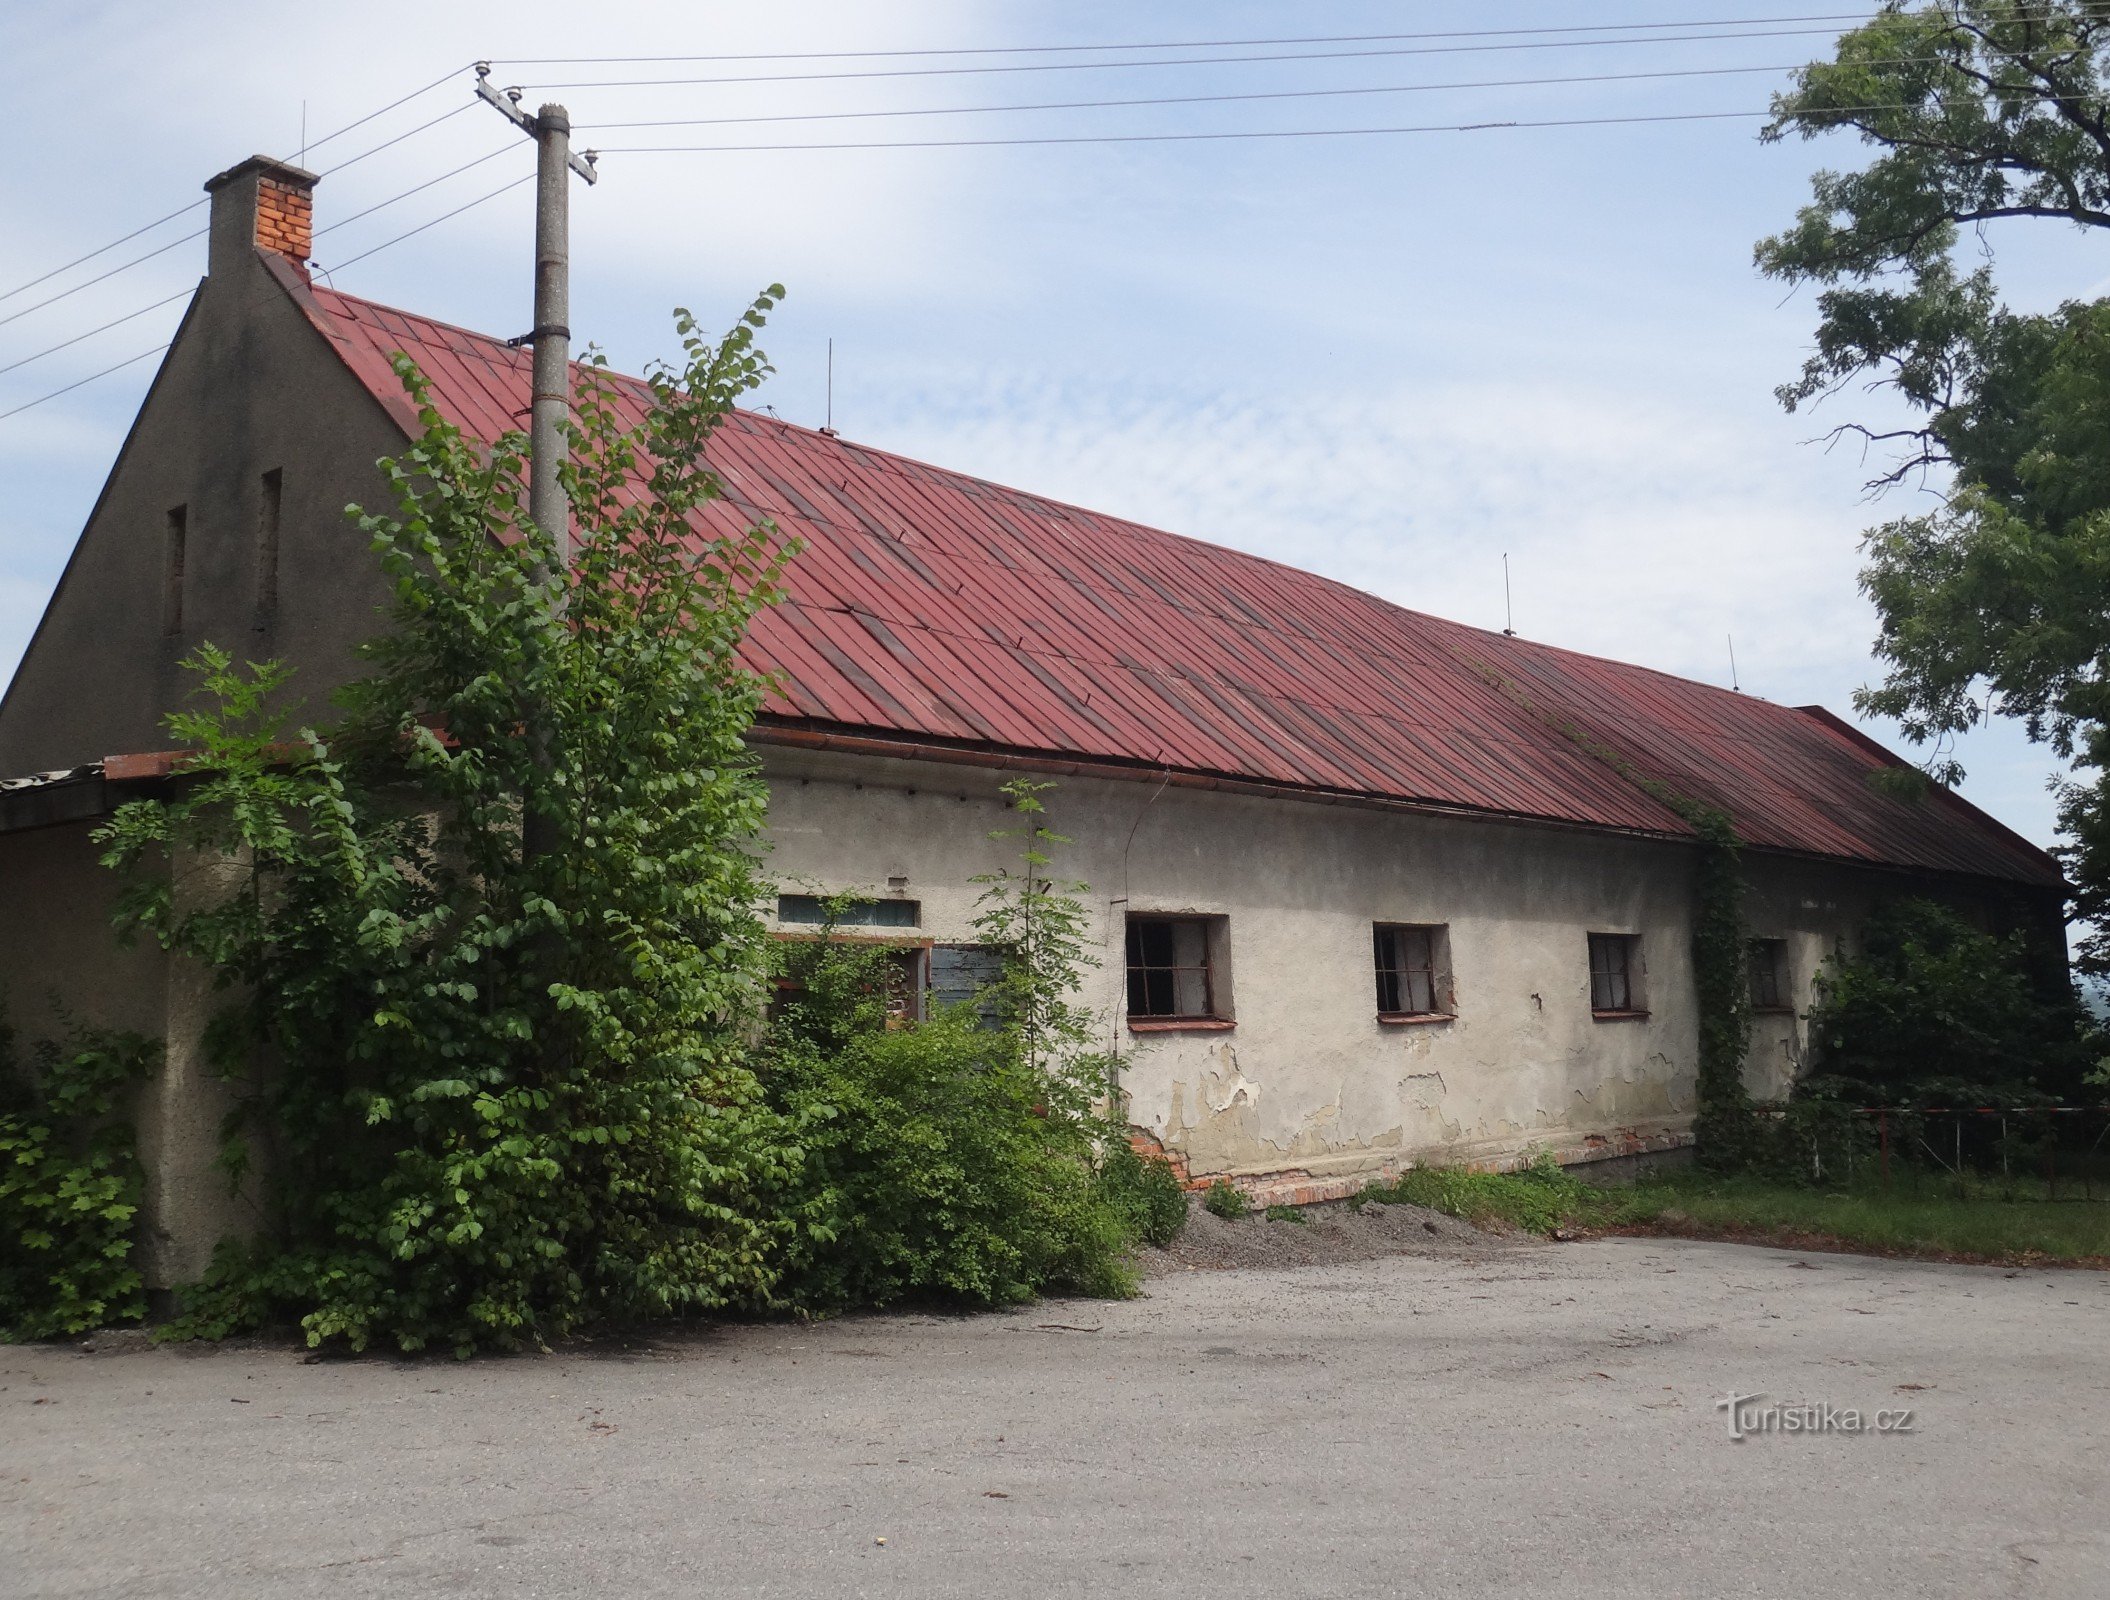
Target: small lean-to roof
933, 606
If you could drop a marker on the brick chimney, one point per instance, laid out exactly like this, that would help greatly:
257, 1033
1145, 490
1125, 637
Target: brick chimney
260, 204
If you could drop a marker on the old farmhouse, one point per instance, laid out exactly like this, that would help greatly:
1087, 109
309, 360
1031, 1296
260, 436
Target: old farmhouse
1370, 887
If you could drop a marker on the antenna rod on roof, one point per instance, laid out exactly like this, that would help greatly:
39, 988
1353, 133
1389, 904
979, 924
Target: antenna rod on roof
1734, 682
1509, 621
828, 427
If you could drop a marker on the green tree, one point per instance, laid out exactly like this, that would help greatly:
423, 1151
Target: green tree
1934, 1010
506, 1092
1997, 601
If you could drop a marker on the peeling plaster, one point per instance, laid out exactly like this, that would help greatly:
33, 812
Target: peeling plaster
1309, 1080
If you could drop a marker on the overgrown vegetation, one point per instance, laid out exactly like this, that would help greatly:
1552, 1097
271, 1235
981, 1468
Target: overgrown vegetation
1721, 978
69, 1184
493, 958
1538, 1198
1935, 1011
505, 1091
1146, 1189
1925, 1219
1932, 1012
968, 1154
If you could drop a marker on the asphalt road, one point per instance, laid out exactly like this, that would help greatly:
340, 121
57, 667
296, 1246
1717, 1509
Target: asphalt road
1540, 1420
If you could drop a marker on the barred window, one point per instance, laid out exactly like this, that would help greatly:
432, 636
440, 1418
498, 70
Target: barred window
1172, 969
812, 908
1410, 976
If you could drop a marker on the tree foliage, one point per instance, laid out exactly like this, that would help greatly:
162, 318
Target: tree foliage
505, 1090
1979, 112
494, 964
1935, 1011
69, 1183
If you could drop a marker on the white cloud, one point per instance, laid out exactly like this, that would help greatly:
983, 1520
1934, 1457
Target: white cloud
1631, 530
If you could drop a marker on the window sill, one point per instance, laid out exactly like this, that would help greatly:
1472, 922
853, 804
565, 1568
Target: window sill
1619, 1016
1415, 1019
1180, 1024
1772, 1011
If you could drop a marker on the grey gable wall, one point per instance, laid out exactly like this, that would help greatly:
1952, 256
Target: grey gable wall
249, 386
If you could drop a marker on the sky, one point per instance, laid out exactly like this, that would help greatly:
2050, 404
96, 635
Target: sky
1393, 358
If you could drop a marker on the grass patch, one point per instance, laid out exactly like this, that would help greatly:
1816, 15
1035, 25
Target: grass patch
1543, 1198
2022, 1229
1539, 1199
1225, 1199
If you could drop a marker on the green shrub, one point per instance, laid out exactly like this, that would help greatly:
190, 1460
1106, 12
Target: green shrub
935, 1167
69, 1185
1146, 1189
1935, 1011
966, 1156
1287, 1214
1225, 1199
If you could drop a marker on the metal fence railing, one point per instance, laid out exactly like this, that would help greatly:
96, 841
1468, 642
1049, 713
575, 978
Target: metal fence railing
2000, 1151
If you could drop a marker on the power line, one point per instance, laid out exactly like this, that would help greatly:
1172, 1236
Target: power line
436, 221
489, 155
387, 243
416, 94
102, 250
180, 294
100, 277
1187, 44
1181, 138
398, 139
1159, 61
129, 361
1202, 99
185, 210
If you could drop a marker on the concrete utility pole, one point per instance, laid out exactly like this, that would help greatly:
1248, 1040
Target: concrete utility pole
550, 402
550, 128
552, 397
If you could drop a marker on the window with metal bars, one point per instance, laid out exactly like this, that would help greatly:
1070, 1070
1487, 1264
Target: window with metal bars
848, 913
1410, 976
1172, 972
1615, 975
1769, 975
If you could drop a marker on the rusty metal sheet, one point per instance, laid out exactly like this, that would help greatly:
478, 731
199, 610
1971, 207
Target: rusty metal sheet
930, 604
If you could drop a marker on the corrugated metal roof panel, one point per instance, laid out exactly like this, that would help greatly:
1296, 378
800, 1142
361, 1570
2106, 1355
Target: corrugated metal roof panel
936, 605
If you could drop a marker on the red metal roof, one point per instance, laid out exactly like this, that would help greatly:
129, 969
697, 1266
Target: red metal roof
932, 605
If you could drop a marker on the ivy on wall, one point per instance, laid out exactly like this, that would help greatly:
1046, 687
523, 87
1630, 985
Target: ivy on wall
69, 1184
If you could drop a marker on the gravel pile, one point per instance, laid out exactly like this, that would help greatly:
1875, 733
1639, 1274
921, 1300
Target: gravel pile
1347, 1231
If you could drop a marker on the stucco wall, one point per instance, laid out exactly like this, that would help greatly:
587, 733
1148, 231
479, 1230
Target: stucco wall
248, 387
1309, 1080
57, 944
